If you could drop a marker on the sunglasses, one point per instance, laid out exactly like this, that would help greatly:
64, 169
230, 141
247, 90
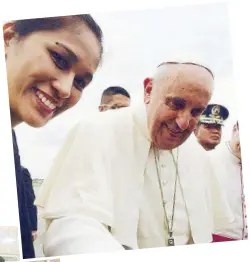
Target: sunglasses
186, 63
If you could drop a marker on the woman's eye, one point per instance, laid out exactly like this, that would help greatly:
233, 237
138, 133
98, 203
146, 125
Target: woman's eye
60, 61
79, 83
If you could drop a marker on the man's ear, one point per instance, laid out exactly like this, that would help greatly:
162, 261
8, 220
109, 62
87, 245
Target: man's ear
196, 130
8, 33
101, 108
147, 89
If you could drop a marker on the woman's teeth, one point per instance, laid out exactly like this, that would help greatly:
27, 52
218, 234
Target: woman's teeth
45, 100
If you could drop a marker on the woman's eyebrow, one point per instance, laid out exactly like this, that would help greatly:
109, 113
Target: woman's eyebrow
72, 56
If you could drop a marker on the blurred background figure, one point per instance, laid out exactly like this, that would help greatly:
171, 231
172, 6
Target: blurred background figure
114, 97
209, 128
227, 161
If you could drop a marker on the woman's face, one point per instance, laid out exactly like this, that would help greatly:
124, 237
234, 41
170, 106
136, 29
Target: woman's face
48, 70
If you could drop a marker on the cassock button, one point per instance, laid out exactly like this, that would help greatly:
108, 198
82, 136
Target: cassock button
163, 166
164, 202
164, 182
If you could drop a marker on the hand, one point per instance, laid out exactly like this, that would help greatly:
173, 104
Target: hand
34, 235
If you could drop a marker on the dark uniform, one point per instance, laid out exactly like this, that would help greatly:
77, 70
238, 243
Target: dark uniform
23, 204
30, 197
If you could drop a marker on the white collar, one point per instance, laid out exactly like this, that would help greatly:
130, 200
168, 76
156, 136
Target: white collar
140, 118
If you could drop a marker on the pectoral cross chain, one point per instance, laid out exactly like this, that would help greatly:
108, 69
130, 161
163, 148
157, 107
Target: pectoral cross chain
170, 239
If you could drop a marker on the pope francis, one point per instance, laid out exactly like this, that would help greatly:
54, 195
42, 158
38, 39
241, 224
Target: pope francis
125, 179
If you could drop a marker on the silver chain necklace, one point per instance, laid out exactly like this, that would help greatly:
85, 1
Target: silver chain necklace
169, 240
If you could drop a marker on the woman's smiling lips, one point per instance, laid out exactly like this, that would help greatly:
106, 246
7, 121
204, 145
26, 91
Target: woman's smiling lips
46, 104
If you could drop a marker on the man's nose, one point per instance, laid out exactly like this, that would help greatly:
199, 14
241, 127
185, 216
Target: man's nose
183, 120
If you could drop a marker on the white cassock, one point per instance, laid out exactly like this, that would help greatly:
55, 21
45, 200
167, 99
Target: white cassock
228, 171
105, 175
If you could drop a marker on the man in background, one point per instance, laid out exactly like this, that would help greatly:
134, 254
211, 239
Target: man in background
209, 128
114, 97
228, 162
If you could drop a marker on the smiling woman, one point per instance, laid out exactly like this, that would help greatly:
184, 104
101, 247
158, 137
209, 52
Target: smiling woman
49, 62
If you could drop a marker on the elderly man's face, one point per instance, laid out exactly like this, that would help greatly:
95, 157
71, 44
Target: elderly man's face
175, 99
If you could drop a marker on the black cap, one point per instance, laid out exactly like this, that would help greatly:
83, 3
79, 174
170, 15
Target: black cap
214, 114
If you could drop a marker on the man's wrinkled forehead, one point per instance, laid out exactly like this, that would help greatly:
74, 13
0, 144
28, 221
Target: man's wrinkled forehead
188, 63
182, 72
